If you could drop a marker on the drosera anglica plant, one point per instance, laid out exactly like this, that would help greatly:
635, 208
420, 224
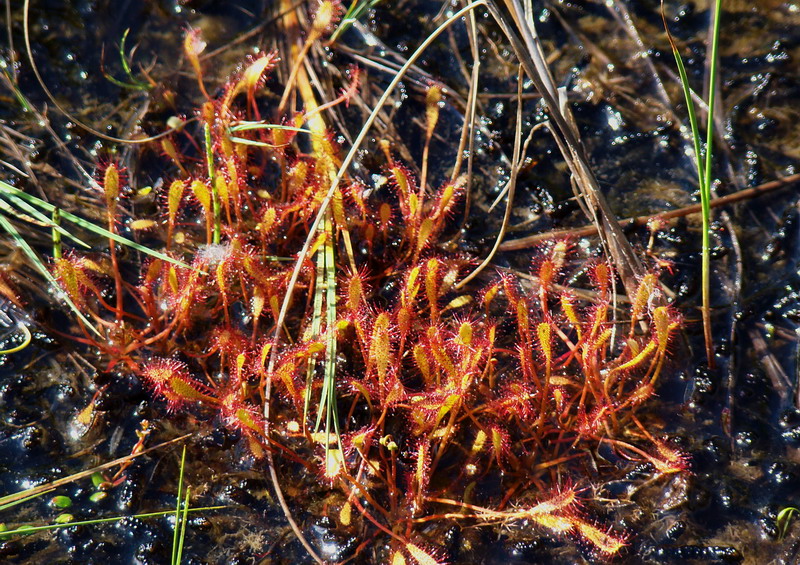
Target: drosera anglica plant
436, 394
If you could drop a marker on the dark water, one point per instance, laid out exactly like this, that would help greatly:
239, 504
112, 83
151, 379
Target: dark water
739, 422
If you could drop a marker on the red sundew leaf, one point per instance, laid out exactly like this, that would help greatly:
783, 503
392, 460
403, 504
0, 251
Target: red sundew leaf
287, 374
602, 279
423, 362
421, 555
385, 218
355, 289
193, 45
255, 73
433, 99
355, 194
665, 322
647, 289
360, 440
421, 475
439, 354
73, 273
607, 543
411, 286
380, 354
564, 501
236, 414
669, 460
501, 444
326, 17
543, 333
568, 308
405, 319
592, 424
465, 333
229, 341
111, 188
433, 279
424, 234
489, 294
516, 399
405, 186
171, 380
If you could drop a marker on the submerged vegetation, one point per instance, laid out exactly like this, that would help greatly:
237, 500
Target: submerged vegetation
337, 327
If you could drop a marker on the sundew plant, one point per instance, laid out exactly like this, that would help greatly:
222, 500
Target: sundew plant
334, 325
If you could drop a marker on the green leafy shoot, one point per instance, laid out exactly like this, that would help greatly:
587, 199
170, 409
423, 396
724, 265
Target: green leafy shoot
784, 519
703, 162
134, 83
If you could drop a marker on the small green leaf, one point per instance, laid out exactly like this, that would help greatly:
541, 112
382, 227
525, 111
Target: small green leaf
98, 496
98, 479
64, 518
61, 501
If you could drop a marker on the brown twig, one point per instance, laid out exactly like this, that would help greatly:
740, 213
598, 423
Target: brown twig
745, 194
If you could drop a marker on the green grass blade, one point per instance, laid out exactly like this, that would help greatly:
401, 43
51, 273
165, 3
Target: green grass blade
55, 235
328, 395
37, 263
687, 94
209, 147
8, 505
45, 221
183, 526
178, 507
128, 85
122, 56
254, 143
248, 126
712, 98
703, 163
9, 190
135, 83
33, 529
316, 328
705, 187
